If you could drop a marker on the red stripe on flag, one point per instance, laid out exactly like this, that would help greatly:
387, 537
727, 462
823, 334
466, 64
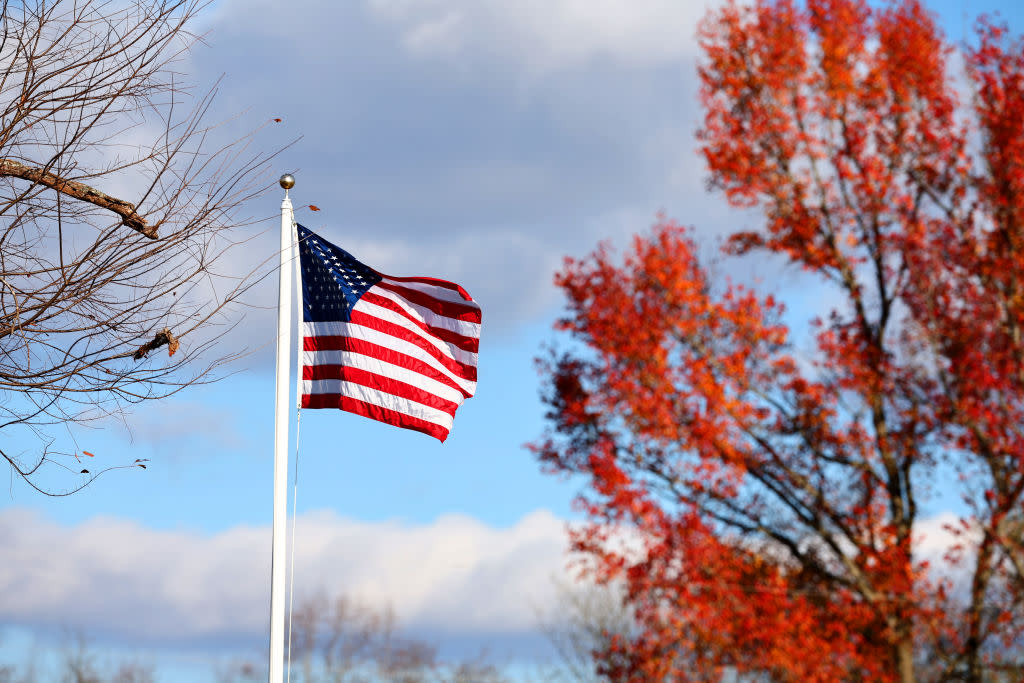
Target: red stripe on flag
375, 381
449, 309
374, 412
432, 281
461, 341
402, 360
374, 323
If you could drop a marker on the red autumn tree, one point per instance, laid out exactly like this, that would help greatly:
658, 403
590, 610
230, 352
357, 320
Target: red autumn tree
759, 504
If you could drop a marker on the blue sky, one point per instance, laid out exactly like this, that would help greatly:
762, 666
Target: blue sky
479, 141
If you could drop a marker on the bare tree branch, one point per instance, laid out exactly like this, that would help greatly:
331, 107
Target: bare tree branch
91, 96
76, 190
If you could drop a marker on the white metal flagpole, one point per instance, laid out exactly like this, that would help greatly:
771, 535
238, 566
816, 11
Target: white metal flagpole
281, 417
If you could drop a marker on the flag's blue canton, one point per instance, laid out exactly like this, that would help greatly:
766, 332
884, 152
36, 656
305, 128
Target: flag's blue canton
332, 279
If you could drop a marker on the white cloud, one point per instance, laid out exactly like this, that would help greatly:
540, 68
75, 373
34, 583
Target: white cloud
475, 257
548, 35
484, 139
141, 585
935, 537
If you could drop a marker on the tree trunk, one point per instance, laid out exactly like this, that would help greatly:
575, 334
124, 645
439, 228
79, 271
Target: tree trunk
979, 586
905, 658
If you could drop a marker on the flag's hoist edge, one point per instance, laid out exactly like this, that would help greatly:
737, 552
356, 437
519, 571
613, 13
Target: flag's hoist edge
402, 350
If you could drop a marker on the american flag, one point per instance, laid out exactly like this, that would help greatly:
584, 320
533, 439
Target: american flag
402, 350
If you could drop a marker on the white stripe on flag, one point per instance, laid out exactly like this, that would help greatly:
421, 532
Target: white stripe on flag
360, 361
428, 317
378, 398
337, 328
325, 357
435, 291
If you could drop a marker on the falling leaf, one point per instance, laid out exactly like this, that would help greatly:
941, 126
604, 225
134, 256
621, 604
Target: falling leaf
276, 120
314, 207
88, 453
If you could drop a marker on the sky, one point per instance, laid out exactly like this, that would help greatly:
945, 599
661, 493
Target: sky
479, 141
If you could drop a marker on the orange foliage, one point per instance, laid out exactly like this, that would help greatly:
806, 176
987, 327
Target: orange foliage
774, 498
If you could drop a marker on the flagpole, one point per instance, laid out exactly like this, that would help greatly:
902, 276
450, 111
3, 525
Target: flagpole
281, 416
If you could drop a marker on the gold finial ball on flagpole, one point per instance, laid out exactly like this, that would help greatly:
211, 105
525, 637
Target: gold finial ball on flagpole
287, 181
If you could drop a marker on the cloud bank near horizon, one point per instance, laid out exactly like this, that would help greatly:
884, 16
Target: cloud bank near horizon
146, 587
455, 578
